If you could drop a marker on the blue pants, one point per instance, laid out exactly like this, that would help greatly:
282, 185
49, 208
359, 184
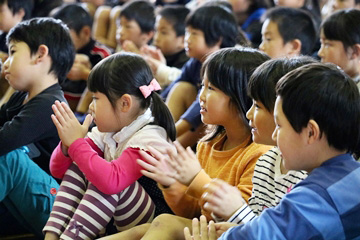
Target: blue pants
26, 191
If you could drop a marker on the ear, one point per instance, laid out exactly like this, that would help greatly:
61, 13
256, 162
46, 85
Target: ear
125, 103
355, 51
313, 132
42, 53
21, 14
85, 33
146, 37
295, 47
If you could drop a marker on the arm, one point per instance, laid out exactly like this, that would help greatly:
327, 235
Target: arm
30, 125
60, 160
109, 177
298, 211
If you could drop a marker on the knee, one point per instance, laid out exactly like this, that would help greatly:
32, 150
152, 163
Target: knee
163, 221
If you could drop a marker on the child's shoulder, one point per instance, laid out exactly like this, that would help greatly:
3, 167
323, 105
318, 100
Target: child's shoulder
150, 135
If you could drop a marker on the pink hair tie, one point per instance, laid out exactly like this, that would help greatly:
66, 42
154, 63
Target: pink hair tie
147, 90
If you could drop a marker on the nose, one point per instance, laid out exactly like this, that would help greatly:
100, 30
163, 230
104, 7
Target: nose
321, 51
202, 94
274, 135
250, 113
261, 46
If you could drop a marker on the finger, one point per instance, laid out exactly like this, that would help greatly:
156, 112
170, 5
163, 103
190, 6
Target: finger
196, 229
212, 231
180, 150
56, 122
62, 110
68, 111
203, 227
150, 175
58, 114
146, 166
88, 120
157, 154
187, 234
148, 158
190, 152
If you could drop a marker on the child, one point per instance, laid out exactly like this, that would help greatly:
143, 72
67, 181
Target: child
129, 116
279, 38
227, 153
169, 41
340, 42
11, 13
37, 62
313, 140
271, 181
208, 28
89, 52
136, 25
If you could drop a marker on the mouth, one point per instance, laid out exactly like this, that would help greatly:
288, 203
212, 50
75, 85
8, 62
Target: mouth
202, 109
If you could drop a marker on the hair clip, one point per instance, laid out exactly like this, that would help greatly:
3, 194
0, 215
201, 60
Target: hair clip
147, 90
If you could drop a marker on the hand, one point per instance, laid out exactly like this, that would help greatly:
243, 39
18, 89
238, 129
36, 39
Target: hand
79, 71
154, 53
202, 232
153, 63
222, 198
129, 46
68, 127
222, 227
185, 164
156, 167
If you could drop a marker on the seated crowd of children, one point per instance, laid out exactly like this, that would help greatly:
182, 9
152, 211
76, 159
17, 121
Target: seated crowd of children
219, 119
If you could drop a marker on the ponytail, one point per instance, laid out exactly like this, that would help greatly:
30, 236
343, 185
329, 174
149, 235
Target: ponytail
162, 115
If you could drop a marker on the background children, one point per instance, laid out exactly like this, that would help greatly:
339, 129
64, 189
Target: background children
169, 41
136, 25
89, 52
37, 61
227, 153
129, 116
11, 13
287, 32
313, 140
271, 181
340, 41
209, 28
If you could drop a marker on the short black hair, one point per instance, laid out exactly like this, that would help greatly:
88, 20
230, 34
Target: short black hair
229, 70
343, 25
294, 24
175, 15
143, 12
16, 5
52, 33
263, 81
217, 23
324, 93
74, 16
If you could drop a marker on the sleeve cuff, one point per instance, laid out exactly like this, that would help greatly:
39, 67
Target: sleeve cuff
243, 215
195, 188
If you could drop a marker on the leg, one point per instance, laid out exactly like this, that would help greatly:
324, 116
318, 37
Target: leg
27, 192
166, 226
111, 36
134, 207
70, 193
101, 23
181, 96
135, 233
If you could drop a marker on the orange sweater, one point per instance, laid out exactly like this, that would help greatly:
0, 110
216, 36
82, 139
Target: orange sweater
235, 166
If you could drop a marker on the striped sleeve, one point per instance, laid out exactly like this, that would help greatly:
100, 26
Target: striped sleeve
243, 215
